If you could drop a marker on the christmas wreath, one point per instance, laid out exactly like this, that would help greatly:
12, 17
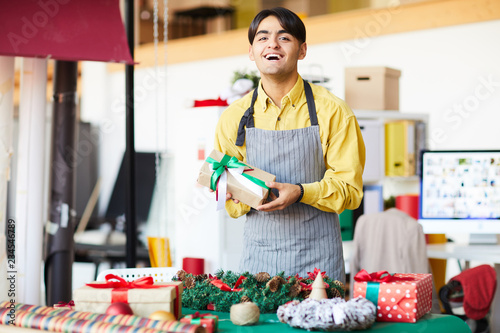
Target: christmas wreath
219, 292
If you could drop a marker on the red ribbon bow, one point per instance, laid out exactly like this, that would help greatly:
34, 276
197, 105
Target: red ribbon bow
197, 314
224, 287
143, 283
381, 276
70, 304
121, 287
315, 273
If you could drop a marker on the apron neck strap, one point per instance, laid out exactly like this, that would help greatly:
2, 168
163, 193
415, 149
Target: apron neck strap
247, 119
311, 106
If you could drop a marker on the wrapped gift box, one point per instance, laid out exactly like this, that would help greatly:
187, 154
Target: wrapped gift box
403, 298
206, 320
237, 189
142, 301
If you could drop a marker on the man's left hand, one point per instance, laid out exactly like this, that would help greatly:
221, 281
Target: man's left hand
288, 194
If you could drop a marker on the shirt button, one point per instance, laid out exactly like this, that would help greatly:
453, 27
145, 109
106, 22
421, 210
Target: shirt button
279, 118
293, 105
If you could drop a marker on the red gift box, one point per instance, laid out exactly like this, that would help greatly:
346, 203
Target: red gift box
398, 297
207, 320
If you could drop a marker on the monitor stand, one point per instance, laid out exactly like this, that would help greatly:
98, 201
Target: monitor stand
483, 239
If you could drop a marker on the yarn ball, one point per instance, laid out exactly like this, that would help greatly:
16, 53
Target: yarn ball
242, 314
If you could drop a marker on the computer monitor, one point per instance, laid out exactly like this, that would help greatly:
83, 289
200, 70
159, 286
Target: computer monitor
460, 192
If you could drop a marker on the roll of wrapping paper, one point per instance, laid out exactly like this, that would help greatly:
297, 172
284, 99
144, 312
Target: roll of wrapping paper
125, 321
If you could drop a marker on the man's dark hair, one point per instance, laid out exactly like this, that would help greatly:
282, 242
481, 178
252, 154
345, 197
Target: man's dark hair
288, 20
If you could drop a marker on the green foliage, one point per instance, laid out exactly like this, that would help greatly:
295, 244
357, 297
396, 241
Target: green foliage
253, 75
204, 292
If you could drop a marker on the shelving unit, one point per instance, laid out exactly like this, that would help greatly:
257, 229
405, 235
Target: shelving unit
390, 115
375, 147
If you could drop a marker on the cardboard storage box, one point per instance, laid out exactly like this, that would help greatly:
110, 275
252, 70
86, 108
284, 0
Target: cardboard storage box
143, 302
372, 88
238, 190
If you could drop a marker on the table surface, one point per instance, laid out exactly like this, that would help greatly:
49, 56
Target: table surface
485, 253
430, 323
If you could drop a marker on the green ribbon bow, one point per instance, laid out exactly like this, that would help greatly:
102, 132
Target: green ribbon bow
229, 162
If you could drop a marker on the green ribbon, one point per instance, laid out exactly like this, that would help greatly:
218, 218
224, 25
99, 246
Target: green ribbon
372, 290
195, 319
230, 162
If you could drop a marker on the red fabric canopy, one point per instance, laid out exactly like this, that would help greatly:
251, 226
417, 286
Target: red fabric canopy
64, 30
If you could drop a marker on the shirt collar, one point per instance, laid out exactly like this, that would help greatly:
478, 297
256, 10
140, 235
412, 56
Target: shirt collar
293, 95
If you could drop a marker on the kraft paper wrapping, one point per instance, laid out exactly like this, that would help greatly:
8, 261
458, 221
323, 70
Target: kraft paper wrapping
238, 191
143, 302
68, 321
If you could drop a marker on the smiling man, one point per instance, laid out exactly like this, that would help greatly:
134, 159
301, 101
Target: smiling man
309, 139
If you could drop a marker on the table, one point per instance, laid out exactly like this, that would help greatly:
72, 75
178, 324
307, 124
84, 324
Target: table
483, 253
430, 323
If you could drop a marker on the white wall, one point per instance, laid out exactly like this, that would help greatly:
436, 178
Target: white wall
452, 73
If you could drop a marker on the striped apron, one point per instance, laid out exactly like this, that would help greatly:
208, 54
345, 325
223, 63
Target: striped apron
299, 238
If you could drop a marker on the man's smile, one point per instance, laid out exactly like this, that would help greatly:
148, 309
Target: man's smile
273, 56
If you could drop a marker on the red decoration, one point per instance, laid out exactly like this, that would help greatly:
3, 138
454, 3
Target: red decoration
315, 273
207, 320
381, 276
210, 102
119, 308
69, 305
224, 287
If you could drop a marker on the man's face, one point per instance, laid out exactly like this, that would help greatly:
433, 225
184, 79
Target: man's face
275, 51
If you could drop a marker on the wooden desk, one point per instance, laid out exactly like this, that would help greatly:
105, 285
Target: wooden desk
269, 323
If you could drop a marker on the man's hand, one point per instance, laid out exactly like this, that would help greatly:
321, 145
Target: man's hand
228, 196
288, 194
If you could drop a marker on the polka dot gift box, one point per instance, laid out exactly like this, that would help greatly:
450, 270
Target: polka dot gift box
398, 297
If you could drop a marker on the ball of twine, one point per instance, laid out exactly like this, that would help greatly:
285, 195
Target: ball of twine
244, 313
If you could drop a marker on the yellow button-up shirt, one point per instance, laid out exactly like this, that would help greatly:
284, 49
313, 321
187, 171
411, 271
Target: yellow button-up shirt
343, 147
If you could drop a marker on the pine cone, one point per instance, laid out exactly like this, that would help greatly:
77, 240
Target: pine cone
189, 283
201, 277
280, 279
339, 284
262, 277
273, 285
306, 293
336, 293
181, 275
295, 290
245, 299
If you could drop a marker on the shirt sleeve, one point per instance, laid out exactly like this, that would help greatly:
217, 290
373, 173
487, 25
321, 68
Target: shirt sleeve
342, 185
225, 138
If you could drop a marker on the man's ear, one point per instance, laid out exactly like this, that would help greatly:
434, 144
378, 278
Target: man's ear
302, 51
250, 53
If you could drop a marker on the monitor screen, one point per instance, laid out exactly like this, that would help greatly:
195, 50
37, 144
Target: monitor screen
460, 185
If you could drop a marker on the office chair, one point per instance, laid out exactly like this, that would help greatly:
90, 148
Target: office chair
473, 289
